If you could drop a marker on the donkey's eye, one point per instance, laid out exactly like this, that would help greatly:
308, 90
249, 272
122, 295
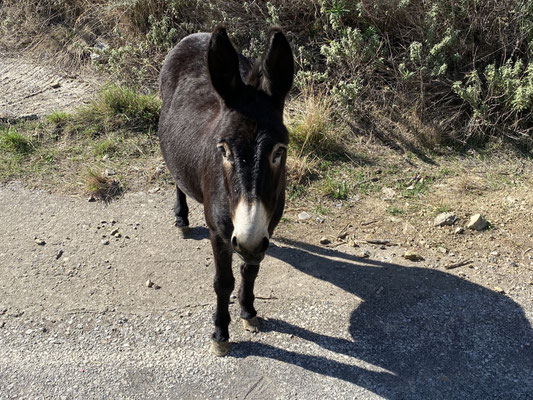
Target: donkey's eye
278, 154
225, 151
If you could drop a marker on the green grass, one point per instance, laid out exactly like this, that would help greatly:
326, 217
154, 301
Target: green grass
12, 141
393, 210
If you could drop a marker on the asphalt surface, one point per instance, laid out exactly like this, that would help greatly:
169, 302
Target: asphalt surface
77, 320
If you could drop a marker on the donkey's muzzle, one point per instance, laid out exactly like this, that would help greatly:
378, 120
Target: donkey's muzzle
250, 254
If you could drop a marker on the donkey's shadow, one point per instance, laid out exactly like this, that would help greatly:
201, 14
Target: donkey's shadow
432, 335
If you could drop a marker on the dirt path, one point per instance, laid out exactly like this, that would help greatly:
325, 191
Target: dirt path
30, 89
77, 320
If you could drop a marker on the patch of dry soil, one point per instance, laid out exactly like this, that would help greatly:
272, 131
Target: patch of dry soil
31, 89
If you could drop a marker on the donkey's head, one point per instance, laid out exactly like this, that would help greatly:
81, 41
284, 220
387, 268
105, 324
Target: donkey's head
252, 140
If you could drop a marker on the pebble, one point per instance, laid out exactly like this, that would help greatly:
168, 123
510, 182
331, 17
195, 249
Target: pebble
91, 199
363, 254
459, 230
149, 283
114, 232
105, 242
499, 289
303, 216
412, 256
59, 254
324, 240
446, 218
40, 242
110, 172
477, 222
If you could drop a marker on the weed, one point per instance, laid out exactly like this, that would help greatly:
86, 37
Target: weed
101, 187
11, 140
393, 210
58, 117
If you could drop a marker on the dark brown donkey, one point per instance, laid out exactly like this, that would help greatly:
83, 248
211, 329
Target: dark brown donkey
223, 139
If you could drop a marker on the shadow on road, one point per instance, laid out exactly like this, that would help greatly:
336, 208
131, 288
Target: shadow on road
432, 335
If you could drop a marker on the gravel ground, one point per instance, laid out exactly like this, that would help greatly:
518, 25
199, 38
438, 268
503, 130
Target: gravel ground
78, 321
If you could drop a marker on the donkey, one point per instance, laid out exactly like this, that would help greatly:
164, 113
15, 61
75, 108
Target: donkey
222, 137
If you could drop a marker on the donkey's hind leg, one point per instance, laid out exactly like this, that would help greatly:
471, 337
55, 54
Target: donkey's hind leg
181, 211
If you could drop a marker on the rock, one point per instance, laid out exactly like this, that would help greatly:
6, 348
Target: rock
154, 190
156, 286
499, 289
304, 216
149, 283
59, 254
324, 240
55, 84
105, 157
459, 230
40, 242
494, 253
412, 256
363, 254
91, 199
114, 232
105, 242
446, 218
477, 222
110, 172
388, 193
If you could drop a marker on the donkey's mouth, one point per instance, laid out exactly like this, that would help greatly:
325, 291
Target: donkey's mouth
254, 259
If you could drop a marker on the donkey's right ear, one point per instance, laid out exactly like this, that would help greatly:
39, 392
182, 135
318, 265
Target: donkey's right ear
223, 66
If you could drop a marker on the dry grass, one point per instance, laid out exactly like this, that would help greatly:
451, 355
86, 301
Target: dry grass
101, 187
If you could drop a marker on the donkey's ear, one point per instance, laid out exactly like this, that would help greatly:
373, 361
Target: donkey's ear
223, 66
278, 67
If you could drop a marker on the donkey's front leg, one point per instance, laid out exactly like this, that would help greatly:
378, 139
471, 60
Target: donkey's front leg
224, 284
246, 297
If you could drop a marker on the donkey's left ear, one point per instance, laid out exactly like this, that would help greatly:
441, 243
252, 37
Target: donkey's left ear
278, 67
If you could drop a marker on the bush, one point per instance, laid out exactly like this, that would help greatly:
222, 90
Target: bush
460, 69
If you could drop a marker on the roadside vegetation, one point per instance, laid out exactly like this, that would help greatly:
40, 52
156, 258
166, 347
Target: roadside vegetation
388, 95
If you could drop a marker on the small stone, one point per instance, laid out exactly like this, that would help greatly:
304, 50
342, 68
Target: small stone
494, 253
55, 84
363, 254
29, 332
460, 230
156, 286
105, 157
477, 222
110, 172
412, 256
304, 216
149, 283
59, 254
443, 250
446, 218
40, 242
105, 242
114, 232
324, 240
91, 199
513, 264
499, 289
388, 193
154, 190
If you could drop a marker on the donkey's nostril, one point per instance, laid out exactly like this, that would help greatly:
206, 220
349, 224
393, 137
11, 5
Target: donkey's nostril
234, 241
264, 245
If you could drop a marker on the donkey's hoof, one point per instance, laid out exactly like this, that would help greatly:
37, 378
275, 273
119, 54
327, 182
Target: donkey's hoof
251, 325
184, 231
219, 349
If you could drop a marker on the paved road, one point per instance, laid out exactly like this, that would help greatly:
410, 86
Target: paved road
78, 322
